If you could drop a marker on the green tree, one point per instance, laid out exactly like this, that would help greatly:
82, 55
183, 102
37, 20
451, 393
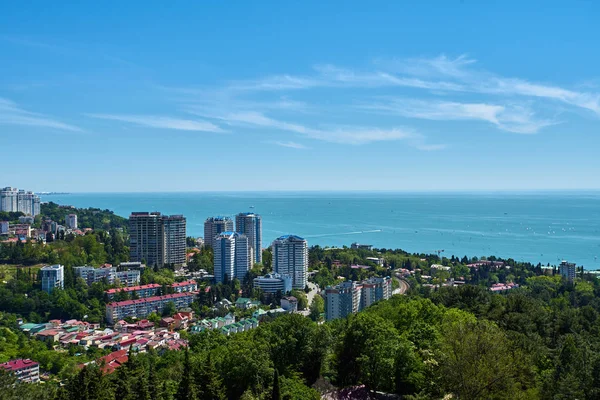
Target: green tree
317, 308
186, 390
276, 391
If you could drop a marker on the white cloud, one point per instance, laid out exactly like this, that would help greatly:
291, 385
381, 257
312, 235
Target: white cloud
334, 134
512, 118
12, 114
161, 122
291, 145
484, 82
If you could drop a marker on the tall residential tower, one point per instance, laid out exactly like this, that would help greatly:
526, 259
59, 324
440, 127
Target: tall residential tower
233, 256
290, 257
250, 224
157, 239
214, 226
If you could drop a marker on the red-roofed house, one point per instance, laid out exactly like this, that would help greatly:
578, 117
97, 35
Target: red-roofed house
24, 370
113, 361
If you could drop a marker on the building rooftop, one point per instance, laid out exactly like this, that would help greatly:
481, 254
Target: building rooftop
293, 237
15, 365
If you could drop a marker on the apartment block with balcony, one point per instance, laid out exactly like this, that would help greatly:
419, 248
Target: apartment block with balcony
25, 370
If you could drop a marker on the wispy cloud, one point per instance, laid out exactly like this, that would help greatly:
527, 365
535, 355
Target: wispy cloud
161, 122
353, 135
291, 145
12, 114
461, 70
518, 119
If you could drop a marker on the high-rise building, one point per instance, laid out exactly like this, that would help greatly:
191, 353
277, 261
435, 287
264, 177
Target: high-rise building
214, 226
351, 297
567, 270
290, 257
71, 221
13, 200
157, 239
174, 228
53, 276
232, 256
8, 199
250, 224
146, 241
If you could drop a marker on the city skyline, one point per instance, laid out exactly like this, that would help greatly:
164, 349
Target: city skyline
356, 98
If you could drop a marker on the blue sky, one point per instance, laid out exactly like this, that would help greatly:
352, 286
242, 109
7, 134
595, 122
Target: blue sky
272, 95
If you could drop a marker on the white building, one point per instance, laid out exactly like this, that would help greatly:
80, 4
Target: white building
91, 275
71, 221
53, 276
8, 199
289, 304
250, 224
272, 283
290, 257
25, 370
232, 255
351, 297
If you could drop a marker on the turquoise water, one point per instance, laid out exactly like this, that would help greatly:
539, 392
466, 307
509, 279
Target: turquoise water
535, 227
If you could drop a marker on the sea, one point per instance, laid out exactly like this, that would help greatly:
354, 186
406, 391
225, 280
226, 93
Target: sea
544, 227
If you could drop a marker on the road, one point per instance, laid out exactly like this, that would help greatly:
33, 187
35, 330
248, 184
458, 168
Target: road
403, 285
310, 296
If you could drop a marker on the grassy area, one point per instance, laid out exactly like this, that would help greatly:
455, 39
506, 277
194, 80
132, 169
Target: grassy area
8, 271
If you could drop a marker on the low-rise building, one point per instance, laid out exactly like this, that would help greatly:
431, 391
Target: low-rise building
273, 283
289, 304
25, 370
141, 291
245, 303
187, 286
143, 307
358, 246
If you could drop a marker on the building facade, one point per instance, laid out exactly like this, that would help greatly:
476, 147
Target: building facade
14, 200
272, 283
143, 307
53, 276
25, 370
290, 257
232, 256
213, 227
567, 270
157, 239
92, 275
4, 227
71, 221
351, 297
174, 228
250, 225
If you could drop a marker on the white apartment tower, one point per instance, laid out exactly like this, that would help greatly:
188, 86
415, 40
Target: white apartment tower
14, 200
71, 221
290, 257
232, 255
